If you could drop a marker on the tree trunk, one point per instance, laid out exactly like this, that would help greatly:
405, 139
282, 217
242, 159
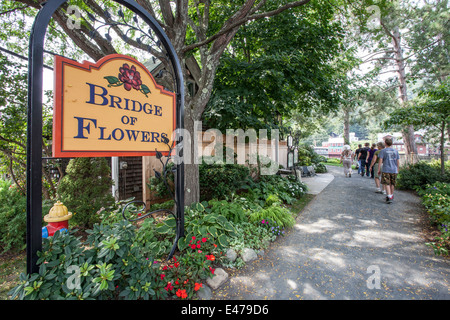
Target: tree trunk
442, 148
408, 132
346, 126
191, 169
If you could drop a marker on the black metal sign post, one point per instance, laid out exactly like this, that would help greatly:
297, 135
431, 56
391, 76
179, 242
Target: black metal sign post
34, 129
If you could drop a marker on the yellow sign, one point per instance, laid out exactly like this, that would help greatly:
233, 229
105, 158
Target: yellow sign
110, 108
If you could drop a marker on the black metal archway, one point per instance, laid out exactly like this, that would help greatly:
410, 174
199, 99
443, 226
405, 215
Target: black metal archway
34, 130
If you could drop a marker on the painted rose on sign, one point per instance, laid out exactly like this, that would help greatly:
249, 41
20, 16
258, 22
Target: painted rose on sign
129, 78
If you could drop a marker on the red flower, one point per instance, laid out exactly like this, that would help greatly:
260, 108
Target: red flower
210, 257
198, 246
169, 287
212, 270
177, 264
130, 77
204, 239
197, 286
181, 294
162, 276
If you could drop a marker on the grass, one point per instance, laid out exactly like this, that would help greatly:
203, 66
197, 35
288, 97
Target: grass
337, 164
11, 265
301, 203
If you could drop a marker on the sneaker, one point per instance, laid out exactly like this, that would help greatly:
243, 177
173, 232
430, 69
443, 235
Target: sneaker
378, 191
384, 191
349, 175
389, 201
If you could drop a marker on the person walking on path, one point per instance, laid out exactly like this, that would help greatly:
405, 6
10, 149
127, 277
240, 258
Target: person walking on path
374, 169
370, 154
357, 158
363, 156
346, 159
388, 164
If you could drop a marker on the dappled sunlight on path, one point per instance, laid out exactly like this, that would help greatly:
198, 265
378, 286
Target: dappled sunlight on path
347, 244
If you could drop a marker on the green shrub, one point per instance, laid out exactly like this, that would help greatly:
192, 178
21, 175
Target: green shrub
436, 199
251, 235
154, 243
320, 168
200, 222
218, 181
333, 161
111, 266
279, 215
287, 189
416, 176
13, 217
85, 189
304, 156
113, 213
157, 184
233, 211
272, 199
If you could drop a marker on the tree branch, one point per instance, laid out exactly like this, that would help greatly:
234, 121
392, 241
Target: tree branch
246, 17
12, 10
167, 13
13, 142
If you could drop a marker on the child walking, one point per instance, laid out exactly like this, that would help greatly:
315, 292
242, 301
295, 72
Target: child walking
388, 164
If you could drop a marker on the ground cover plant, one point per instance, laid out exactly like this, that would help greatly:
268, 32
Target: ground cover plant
436, 199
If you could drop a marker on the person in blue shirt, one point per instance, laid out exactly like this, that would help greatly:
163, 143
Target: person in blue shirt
388, 164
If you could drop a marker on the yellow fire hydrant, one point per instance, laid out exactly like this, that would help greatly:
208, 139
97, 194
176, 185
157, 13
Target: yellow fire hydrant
58, 220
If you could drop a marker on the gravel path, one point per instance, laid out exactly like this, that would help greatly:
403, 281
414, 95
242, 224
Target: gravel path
348, 244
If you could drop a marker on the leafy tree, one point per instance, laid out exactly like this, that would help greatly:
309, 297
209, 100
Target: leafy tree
429, 40
382, 37
13, 126
432, 111
200, 28
274, 67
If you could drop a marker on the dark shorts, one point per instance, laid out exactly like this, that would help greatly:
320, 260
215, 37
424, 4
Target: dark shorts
388, 178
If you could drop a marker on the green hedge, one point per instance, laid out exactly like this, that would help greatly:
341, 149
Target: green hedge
416, 176
436, 199
218, 181
13, 217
